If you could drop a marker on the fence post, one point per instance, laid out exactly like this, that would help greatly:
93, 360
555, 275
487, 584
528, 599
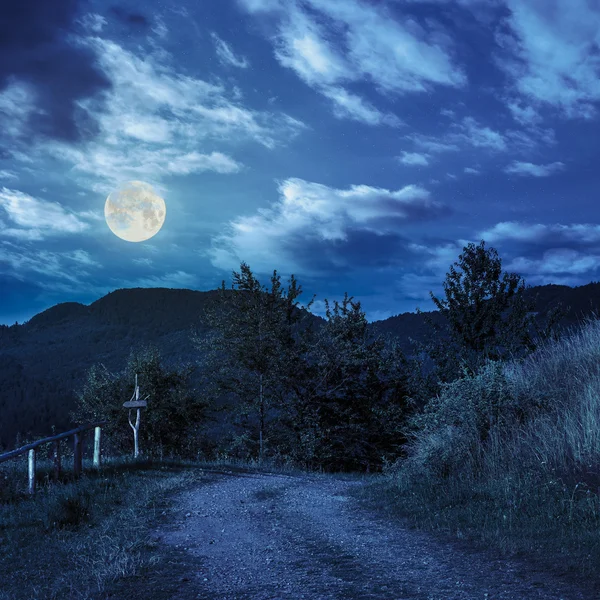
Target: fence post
32, 471
77, 453
97, 447
56, 459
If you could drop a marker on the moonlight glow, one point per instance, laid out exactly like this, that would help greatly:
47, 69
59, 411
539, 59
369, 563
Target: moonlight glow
134, 212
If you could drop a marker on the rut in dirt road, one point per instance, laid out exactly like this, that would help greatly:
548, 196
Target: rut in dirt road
268, 536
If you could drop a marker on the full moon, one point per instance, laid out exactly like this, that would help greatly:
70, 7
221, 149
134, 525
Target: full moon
134, 212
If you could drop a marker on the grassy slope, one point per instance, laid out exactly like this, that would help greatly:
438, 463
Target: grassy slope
529, 490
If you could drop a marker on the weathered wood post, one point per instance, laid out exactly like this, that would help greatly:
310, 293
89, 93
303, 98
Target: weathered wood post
97, 447
32, 471
137, 403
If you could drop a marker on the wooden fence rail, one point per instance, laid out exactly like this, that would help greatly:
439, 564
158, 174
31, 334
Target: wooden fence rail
77, 451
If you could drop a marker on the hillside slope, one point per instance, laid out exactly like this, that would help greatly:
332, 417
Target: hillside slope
44, 360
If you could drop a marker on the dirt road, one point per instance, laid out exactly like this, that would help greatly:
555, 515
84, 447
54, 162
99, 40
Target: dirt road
269, 536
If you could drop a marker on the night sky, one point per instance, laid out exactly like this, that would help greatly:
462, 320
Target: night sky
358, 144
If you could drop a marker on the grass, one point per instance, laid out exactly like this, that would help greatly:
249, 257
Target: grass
527, 489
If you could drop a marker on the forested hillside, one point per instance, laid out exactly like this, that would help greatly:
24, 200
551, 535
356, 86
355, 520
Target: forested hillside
44, 360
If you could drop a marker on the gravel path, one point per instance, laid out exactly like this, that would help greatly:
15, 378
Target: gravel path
269, 537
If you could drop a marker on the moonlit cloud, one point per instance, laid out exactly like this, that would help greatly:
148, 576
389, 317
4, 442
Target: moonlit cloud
551, 54
312, 211
42, 217
414, 158
226, 55
526, 168
396, 58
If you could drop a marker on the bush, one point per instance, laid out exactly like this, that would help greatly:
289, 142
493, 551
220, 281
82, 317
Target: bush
454, 425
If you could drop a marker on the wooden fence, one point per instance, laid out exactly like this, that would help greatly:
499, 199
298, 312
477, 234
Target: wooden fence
77, 451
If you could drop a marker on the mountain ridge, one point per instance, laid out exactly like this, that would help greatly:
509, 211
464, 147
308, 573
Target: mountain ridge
46, 358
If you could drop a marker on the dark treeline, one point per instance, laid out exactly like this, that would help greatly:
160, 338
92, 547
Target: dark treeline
332, 397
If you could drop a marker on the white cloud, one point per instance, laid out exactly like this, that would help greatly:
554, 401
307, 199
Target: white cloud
555, 59
398, 57
155, 121
146, 262
314, 213
82, 257
527, 168
431, 144
557, 260
160, 29
524, 114
414, 158
17, 103
4, 174
177, 280
37, 218
478, 136
511, 230
471, 171
226, 55
47, 265
93, 22
351, 106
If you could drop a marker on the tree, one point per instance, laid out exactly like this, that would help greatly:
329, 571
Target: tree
249, 349
170, 423
476, 302
350, 401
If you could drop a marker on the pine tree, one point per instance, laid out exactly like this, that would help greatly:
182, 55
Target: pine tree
476, 302
249, 351
350, 394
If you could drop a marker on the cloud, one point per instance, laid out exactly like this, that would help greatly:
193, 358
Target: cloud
527, 168
37, 51
479, 137
37, 218
397, 56
550, 52
93, 22
4, 174
431, 144
177, 279
48, 266
537, 233
81, 257
155, 119
414, 158
472, 171
146, 262
524, 114
323, 222
351, 106
470, 133
226, 55
557, 260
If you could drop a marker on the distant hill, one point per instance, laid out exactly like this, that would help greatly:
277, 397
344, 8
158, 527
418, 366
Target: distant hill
582, 301
44, 360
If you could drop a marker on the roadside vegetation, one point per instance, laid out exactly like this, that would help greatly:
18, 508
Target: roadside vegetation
491, 435
510, 458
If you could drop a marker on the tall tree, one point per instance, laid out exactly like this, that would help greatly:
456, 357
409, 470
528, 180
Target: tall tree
487, 318
249, 349
350, 401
